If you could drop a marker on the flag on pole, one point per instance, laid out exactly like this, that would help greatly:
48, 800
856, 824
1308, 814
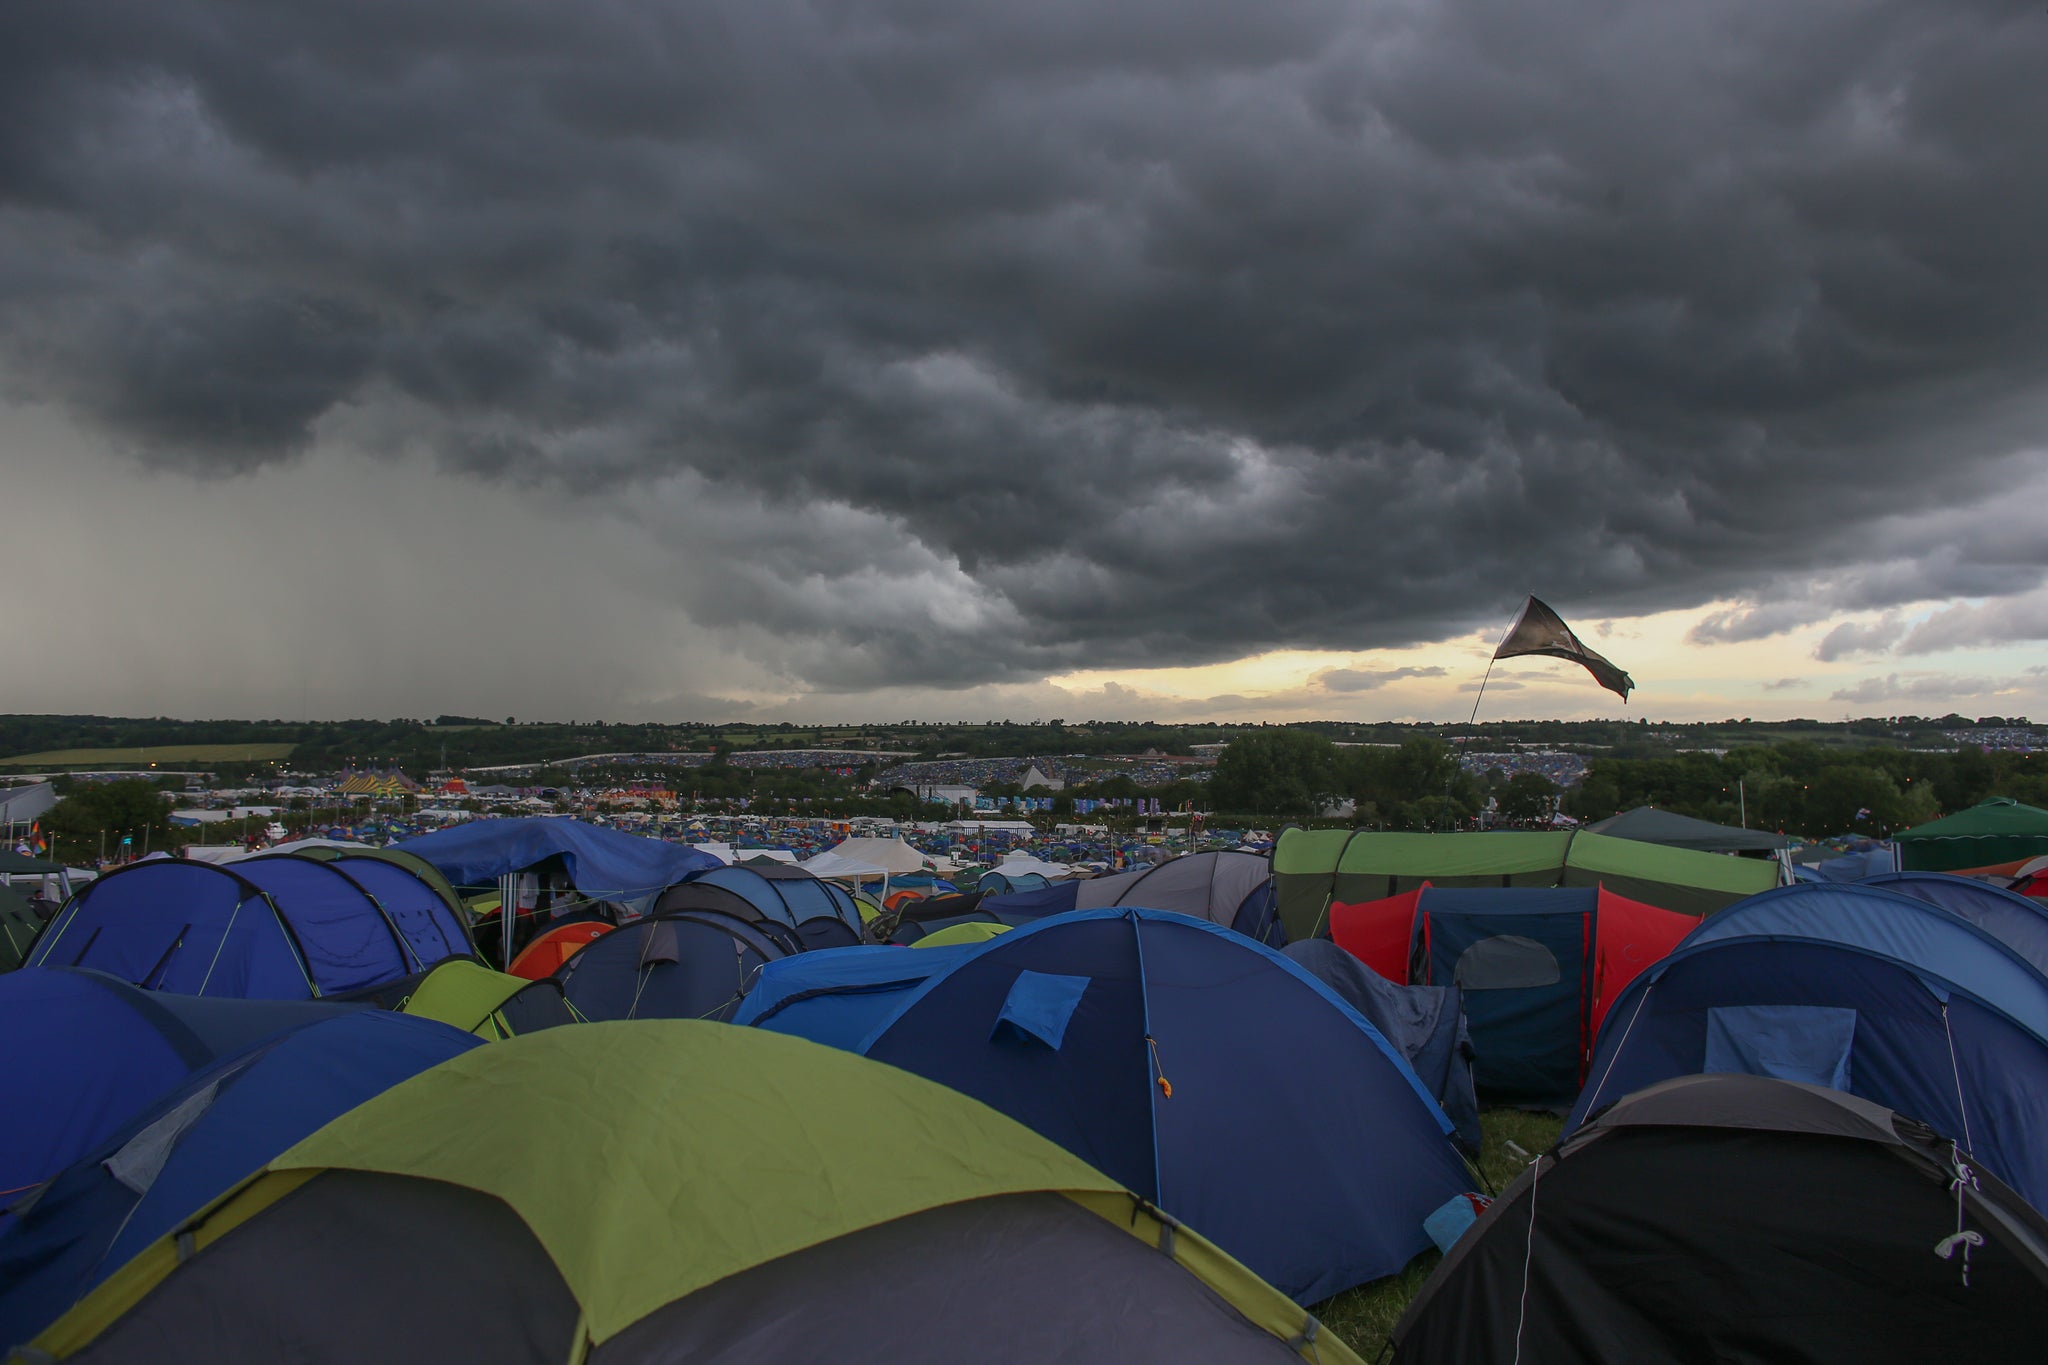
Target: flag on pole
1539, 630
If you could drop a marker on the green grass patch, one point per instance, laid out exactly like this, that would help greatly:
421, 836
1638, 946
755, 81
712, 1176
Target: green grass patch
1365, 1315
162, 753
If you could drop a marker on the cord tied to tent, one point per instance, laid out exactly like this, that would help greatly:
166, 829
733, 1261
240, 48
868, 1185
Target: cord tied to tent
1159, 1072
1962, 1238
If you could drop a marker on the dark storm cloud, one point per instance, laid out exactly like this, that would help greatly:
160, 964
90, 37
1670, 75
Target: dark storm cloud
1081, 335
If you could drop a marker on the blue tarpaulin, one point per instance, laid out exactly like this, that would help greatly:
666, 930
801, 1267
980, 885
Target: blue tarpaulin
602, 863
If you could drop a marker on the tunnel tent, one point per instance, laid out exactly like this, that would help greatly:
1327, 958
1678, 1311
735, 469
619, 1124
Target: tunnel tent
1649, 825
1994, 831
1202, 1070
410, 862
451, 1218
88, 1051
2014, 920
262, 928
1314, 868
1807, 1225
686, 964
1885, 996
177, 1154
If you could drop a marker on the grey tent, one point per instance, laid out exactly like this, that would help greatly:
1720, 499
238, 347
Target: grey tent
19, 926
1426, 1024
1648, 825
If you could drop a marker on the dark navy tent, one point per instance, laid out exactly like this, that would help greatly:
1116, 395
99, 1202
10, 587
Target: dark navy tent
271, 928
196, 1143
1427, 1024
86, 1052
690, 964
1202, 1070
1226, 887
1856, 988
2014, 920
823, 914
602, 863
434, 928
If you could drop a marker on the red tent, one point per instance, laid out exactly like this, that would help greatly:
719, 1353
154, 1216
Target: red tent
1551, 945
551, 949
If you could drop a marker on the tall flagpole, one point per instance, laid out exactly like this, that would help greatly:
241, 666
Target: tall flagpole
1452, 775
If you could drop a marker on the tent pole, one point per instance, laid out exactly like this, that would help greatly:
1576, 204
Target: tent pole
505, 911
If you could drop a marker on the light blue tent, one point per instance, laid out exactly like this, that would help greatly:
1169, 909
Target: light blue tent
1201, 1069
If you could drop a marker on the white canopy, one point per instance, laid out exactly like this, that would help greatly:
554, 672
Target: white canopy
833, 865
892, 856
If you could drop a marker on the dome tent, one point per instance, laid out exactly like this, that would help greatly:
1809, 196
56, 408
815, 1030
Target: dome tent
492, 1005
689, 964
1206, 1072
823, 915
458, 1217
1887, 997
1734, 1217
89, 1051
1228, 888
176, 1156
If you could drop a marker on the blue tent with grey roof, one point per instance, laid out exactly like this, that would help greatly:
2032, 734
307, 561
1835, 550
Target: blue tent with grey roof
88, 1051
195, 1142
1205, 1071
1888, 997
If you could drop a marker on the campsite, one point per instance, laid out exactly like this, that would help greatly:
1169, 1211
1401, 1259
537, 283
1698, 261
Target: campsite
1313, 1102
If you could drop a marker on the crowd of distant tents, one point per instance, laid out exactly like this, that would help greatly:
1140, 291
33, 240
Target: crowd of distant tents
526, 1089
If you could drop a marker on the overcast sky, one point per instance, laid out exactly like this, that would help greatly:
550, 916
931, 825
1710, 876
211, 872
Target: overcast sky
859, 359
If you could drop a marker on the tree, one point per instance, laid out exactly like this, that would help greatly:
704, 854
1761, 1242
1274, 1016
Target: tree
1276, 771
1526, 798
133, 807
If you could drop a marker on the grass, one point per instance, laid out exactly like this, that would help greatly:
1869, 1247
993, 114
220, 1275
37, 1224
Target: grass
162, 753
1365, 1315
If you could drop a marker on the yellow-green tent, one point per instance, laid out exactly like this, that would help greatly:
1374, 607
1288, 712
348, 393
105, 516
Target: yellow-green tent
490, 1004
662, 1190
973, 931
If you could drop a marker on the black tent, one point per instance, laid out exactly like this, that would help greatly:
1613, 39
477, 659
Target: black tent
1731, 1217
1648, 825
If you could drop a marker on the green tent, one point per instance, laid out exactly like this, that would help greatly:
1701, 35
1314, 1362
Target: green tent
2000, 830
662, 1190
18, 928
1648, 825
1314, 867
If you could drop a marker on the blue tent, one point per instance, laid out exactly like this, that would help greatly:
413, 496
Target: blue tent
823, 914
194, 1144
1202, 1070
994, 883
2014, 920
86, 1052
689, 964
1858, 989
602, 863
273, 928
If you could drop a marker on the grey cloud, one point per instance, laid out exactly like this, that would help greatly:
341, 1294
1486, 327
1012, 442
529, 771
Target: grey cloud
1784, 684
1993, 623
1915, 687
989, 340
1368, 679
1754, 621
1859, 637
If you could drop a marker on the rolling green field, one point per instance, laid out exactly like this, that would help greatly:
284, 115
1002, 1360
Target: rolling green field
162, 753
1363, 1316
